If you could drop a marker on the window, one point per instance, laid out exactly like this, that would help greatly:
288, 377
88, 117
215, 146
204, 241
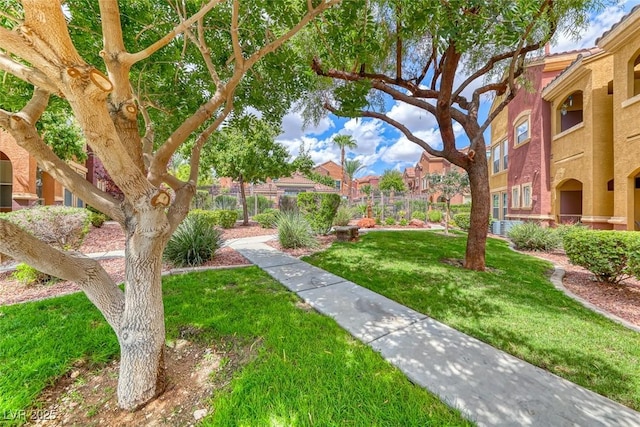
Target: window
337, 184
522, 131
496, 159
526, 196
570, 111
634, 70
505, 204
496, 206
505, 154
6, 183
515, 197
71, 199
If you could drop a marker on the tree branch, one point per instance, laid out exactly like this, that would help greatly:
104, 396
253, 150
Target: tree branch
178, 29
235, 41
28, 74
86, 272
22, 127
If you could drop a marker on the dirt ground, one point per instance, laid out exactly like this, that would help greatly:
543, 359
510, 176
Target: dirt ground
86, 396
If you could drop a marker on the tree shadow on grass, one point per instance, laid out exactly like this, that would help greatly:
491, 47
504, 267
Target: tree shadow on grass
581, 367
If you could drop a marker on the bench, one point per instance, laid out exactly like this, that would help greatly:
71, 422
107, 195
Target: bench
346, 233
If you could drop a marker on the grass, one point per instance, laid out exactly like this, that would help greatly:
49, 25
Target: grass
513, 306
307, 370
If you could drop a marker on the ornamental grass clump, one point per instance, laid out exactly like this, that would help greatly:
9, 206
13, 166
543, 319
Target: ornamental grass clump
294, 231
531, 236
612, 256
194, 242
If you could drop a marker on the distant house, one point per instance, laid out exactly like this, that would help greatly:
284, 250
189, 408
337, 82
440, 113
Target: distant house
409, 179
428, 165
333, 170
359, 183
23, 184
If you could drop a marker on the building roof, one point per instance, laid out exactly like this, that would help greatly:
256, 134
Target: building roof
410, 172
615, 26
575, 65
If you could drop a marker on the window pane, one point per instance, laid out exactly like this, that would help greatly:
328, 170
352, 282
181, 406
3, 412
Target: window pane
496, 159
522, 131
505, 154
505, 205
515, 197
496, 206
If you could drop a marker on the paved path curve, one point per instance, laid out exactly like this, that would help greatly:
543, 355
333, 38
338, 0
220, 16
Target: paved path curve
489, 386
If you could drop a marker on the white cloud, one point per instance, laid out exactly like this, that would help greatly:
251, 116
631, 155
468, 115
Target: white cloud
293, 126
414, 118
366, 133
597, 26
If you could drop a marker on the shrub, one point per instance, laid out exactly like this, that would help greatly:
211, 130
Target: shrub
319, 209
193, 243
419, 215
533, 237
264, 204
343, 216
225, 202
366, 223
267, 219
225, 218
288, 204
463, 220
466, 207
434, 216
97, 219
60, 226
404, 222
611, 256
210, 217
389, 221
402, 214
294, 231
28, 275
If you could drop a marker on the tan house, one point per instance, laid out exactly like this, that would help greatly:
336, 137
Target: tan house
622, 44
428, 165
581, 157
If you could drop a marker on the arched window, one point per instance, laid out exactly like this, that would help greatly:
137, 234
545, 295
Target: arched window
634, 76
6, 183
570, 111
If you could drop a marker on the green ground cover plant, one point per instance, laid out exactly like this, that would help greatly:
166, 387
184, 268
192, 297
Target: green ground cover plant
306, 371
512, 306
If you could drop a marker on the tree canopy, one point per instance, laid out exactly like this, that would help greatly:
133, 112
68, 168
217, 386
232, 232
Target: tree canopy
391, 180
141, 79
441, 57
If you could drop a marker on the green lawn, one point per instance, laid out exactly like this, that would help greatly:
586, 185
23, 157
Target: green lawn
308, 371
513, 306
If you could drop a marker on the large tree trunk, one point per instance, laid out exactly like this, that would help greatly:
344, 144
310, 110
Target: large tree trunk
142, 332
243, 199
479, 226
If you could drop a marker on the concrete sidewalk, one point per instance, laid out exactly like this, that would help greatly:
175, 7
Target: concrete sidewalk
488, 386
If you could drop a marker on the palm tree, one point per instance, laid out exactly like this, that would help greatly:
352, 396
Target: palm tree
344, 141
351, 167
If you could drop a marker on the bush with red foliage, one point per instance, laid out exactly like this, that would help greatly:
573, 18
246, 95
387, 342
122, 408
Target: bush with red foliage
366, 223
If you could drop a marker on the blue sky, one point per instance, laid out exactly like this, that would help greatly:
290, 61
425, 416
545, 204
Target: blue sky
381, 146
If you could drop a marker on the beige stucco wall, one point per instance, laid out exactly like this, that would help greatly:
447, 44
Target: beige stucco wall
585, 151
626, 136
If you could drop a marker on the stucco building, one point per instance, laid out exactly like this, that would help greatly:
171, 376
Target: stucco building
567, 148
23, 184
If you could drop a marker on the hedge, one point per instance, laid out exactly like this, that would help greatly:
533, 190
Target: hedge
611, 256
